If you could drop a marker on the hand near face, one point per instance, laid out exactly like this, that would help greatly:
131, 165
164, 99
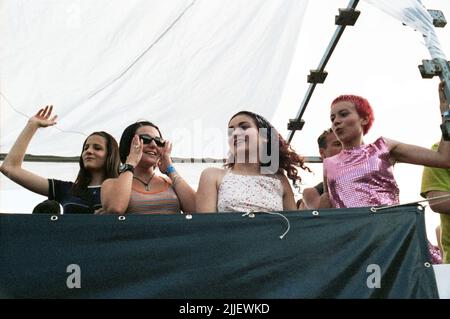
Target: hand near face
136, 149
165, 160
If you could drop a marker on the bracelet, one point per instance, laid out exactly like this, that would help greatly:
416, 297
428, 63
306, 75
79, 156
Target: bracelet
170, 169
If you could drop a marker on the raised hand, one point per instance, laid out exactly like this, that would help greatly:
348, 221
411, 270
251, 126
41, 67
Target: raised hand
43, 117
165, 160
136, 149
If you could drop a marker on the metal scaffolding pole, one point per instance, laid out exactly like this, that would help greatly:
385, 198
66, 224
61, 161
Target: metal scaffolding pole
346, 17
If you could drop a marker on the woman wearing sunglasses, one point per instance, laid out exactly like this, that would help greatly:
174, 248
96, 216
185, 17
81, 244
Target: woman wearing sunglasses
139, 189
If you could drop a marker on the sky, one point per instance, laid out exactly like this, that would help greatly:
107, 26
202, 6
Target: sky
377, 58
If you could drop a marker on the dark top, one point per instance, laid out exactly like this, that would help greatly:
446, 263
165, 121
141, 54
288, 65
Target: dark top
319, 188
86, 203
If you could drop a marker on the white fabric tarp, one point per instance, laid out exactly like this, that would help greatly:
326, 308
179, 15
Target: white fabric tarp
185, 65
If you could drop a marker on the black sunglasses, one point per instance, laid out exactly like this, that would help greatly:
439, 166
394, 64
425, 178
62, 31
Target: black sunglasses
147, 139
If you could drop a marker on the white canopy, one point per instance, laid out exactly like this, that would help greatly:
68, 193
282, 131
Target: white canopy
185, 65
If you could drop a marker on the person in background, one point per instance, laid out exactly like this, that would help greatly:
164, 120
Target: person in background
138, 189
436, 183
47, 207
99, 160
362, 174
329, 146
249, 182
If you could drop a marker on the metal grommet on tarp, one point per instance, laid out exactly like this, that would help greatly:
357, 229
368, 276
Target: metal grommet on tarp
315, 213
54, 218
188, 216
373, 209
121, 218
427, 264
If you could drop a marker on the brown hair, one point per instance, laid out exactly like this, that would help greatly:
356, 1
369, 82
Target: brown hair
110, 169
322, 139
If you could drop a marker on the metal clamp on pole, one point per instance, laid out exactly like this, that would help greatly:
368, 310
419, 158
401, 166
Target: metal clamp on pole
439, 20
317, 76
437, 67
295, 125
347, 16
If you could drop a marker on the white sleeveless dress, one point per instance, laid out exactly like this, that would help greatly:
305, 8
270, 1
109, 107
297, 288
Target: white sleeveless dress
242, 193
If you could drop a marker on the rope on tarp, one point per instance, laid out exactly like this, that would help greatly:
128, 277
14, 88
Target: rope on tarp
252, 215
2, 156
442, 198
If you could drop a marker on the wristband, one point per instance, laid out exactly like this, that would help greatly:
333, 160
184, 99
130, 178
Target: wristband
170, 169
126, 167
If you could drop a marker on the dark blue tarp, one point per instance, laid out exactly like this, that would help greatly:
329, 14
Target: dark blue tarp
334, 254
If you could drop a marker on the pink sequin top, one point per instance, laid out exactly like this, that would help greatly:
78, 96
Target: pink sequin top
361, 176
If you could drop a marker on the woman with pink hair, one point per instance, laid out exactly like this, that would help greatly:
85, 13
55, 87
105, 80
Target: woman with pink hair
362, 174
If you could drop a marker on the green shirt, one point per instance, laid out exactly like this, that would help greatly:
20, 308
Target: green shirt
438, 179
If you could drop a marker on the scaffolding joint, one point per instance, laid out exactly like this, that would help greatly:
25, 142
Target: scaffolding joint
431, 68
439, 20
347, 16
295, 125
317, 76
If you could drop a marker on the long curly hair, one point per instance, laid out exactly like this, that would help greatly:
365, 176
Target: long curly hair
288, 159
